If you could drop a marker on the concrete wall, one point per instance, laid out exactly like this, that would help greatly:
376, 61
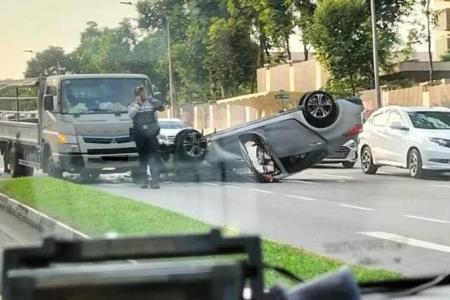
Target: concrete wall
296, 77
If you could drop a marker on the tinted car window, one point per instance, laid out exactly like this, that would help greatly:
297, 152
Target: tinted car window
430, 119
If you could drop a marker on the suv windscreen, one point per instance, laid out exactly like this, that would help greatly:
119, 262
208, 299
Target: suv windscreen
109, 95
430, 119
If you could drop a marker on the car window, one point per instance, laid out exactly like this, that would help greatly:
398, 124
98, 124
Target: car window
430, 119
395, 117
380, 120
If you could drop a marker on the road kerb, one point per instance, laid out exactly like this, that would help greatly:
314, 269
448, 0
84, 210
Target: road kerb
39, 220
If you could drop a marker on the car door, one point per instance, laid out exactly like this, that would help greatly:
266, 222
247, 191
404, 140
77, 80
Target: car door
395, 138
377, 135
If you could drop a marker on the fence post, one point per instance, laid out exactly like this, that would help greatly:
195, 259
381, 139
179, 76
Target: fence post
211, 116
247, 114
228, 115
195, 116
268, 83
291, 77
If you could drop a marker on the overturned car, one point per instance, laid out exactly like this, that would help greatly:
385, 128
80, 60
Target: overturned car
271, 148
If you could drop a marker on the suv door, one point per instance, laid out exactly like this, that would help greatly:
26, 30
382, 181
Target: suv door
378, 136
396, 139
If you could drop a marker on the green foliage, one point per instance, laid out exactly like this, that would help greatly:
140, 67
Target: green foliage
341, 35
445, 56
51, 61
217, 45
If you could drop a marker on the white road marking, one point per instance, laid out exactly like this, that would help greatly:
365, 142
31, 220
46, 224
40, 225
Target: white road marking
301, 198
232, 187
356, 207
442, 186
427, 219
406, 240
211, 184
261, 191
335, 176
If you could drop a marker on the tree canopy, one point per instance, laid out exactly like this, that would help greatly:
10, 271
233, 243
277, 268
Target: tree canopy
217, 45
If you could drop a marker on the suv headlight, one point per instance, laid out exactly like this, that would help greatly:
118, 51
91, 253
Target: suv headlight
71, 148
163, 137
440, 141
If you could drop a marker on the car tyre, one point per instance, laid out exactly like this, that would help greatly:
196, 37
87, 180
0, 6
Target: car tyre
348, 164
191, 146
367, 164
319, 109
415, 164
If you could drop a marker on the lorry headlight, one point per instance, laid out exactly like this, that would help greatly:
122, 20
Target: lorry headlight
71, 148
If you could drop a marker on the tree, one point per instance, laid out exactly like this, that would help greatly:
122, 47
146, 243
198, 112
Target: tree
341, 36
51, 61
231, 57
303, 18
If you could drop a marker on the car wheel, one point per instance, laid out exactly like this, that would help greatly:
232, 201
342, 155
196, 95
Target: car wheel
319, 109
415, 164
367, 164
191, 145
348, 164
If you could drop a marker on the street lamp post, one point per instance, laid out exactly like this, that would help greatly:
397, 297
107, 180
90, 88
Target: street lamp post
172, 100
169, 55
375, 54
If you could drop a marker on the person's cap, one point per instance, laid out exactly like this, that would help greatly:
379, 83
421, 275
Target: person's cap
138, 89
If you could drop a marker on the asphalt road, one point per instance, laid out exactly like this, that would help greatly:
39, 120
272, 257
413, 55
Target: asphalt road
387, 220
14, 233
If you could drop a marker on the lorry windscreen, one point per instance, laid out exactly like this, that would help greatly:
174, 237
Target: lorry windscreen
99, 95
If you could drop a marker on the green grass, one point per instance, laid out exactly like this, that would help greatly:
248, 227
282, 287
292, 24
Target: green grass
95, 213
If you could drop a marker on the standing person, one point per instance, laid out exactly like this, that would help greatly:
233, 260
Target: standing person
146, 130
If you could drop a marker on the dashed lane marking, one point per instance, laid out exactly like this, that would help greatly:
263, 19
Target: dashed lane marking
356, 207
427, 219
406, 240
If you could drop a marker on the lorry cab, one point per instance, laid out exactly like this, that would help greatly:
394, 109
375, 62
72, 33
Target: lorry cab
82, 126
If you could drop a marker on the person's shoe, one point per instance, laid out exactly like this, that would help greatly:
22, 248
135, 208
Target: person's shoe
154, 185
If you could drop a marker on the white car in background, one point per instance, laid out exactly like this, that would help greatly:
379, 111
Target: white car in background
417, 138
169, 129
347, 155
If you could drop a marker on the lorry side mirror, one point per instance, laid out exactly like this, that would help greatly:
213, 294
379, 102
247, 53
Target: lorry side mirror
48, 102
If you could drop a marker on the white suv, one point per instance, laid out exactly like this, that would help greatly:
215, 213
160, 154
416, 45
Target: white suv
417, 138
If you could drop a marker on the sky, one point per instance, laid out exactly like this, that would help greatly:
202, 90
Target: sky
36, 24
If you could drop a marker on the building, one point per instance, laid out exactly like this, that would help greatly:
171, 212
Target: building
441, 34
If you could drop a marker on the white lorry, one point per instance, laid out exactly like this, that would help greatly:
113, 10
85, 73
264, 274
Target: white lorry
80, 125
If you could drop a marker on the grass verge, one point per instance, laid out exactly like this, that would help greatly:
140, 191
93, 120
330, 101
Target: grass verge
95, 213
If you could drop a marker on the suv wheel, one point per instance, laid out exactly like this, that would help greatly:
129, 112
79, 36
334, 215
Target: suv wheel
415, 164
367, 164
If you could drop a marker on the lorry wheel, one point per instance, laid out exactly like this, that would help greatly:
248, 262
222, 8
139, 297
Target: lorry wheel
15, 168
191, 145
319, 109
52, 169
6, 159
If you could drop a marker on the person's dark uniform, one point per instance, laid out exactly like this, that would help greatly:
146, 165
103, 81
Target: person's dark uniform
146, 130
